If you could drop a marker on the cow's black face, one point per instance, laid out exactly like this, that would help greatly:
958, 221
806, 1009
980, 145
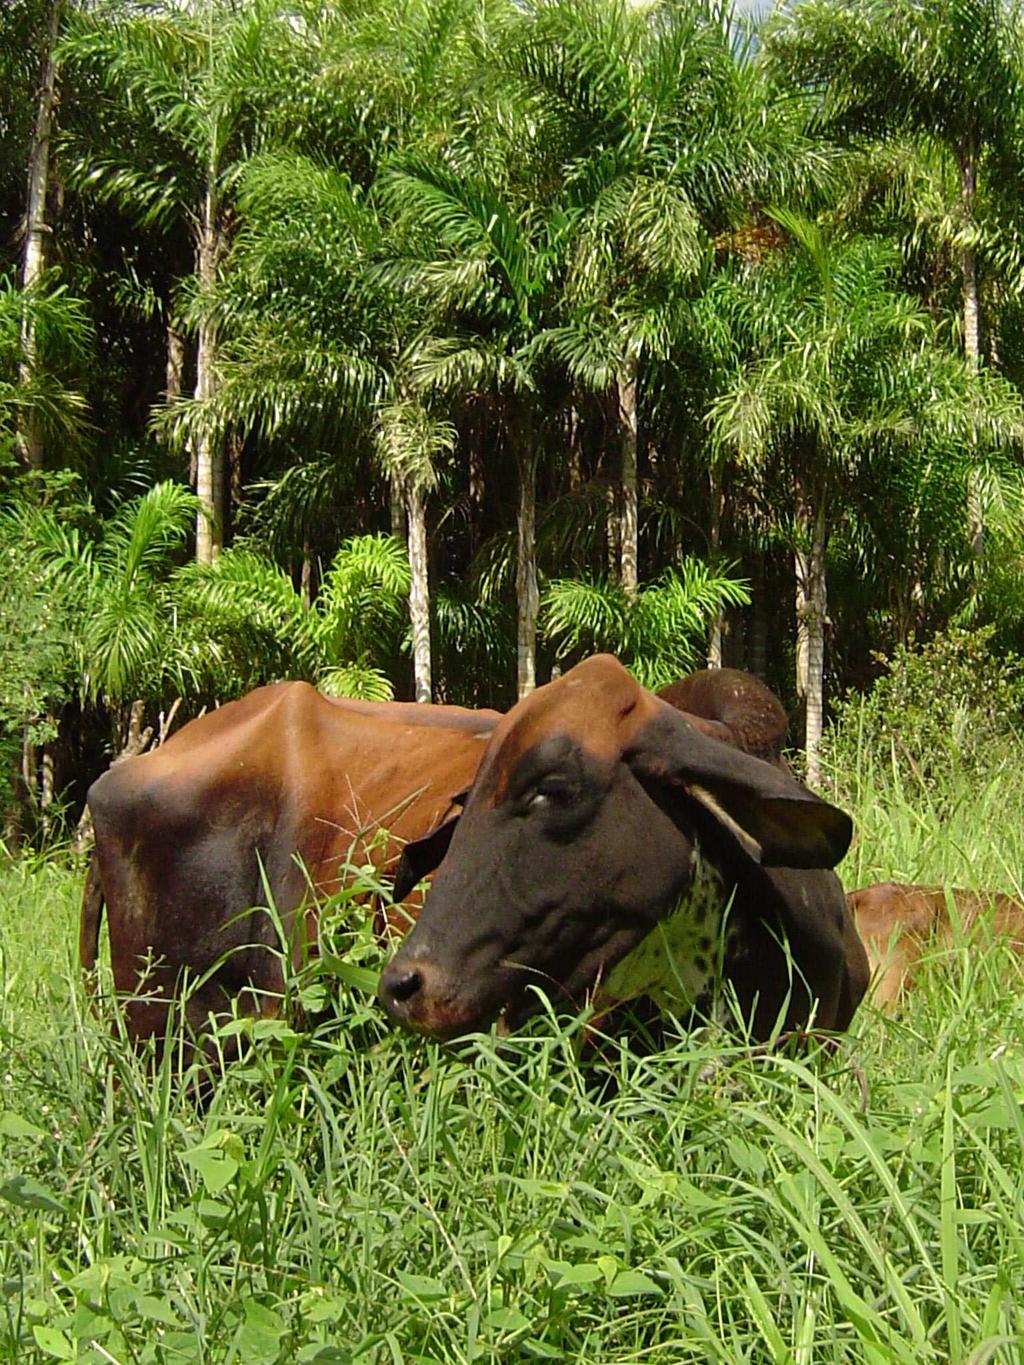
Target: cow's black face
549, 885
576, 838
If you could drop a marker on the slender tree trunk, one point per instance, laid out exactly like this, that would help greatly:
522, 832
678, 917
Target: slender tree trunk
174, 368
209, 456
29, 784
994, 329
396, 501
419, 590
306, 575
613, 528
628, 499
233, 448
477, 485
972, 327
527, 594
757, 646
47, 789
574, 456
29, 771
717, 490
37, 233
811, 617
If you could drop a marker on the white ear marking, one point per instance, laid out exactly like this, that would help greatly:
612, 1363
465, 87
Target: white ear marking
746, 840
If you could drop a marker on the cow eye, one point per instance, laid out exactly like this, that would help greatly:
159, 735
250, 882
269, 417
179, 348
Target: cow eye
552, 792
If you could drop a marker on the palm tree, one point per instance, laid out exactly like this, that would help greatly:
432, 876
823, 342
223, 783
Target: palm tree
44, 398
115, 593
311, 342
658, 631
950, 74
302, 340
37, 230
411, 443
347, 641
667, 134
141, 624
482, 264
843, 366
622, 88
197, 82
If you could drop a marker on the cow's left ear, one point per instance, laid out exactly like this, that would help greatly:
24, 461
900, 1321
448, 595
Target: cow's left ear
778, 821
421, 856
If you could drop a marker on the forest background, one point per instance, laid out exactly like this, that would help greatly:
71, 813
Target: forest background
421, 347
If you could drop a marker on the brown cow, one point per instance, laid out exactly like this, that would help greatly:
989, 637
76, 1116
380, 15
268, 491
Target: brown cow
285, 773
186, 834
600, 817
733, 706
901, 926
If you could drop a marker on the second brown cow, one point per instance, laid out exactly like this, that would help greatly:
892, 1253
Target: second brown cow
901, 927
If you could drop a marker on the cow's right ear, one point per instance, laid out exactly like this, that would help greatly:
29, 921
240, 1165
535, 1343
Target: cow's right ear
421, 856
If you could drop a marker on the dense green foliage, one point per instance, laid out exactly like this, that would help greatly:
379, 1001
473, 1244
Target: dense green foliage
589, 299
355, 1195
581, 310
946, 706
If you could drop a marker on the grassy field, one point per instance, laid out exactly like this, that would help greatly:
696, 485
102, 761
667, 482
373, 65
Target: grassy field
353, 1195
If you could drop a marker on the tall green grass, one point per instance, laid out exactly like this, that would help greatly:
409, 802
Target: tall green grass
965, 829
348, 1194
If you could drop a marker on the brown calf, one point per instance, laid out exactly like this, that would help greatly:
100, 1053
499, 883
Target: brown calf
901, 925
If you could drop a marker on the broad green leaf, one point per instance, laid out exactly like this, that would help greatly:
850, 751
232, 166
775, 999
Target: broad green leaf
14, 1126
54, 1343
422, 1287
630, 1282
216, 1167
30, 1194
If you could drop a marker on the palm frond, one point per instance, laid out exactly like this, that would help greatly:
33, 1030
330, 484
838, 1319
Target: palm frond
250, 602
359, 680
145, 532
659, 637
411, 441
361, 606
584, 615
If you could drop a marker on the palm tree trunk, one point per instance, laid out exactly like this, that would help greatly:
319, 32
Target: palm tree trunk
527, 593
972, 327
397, 505
628, 500
757, 644
29, 771
574, 452
811, 616
614, 532
209, 456
306, 575
174, 367
714, 544
419, 590
477, 485
47, 789
37, 231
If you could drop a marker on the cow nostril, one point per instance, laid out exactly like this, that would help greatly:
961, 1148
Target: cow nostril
404, 985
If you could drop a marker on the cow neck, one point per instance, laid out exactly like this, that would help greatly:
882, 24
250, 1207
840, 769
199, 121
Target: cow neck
679, 961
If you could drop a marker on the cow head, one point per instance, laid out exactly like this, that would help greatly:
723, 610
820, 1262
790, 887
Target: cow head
576, 838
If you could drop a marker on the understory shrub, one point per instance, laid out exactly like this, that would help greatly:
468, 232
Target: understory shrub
949, 701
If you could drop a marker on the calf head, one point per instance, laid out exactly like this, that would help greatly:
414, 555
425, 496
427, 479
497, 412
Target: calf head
577, 837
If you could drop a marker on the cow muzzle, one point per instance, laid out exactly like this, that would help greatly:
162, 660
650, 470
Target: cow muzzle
418, 996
